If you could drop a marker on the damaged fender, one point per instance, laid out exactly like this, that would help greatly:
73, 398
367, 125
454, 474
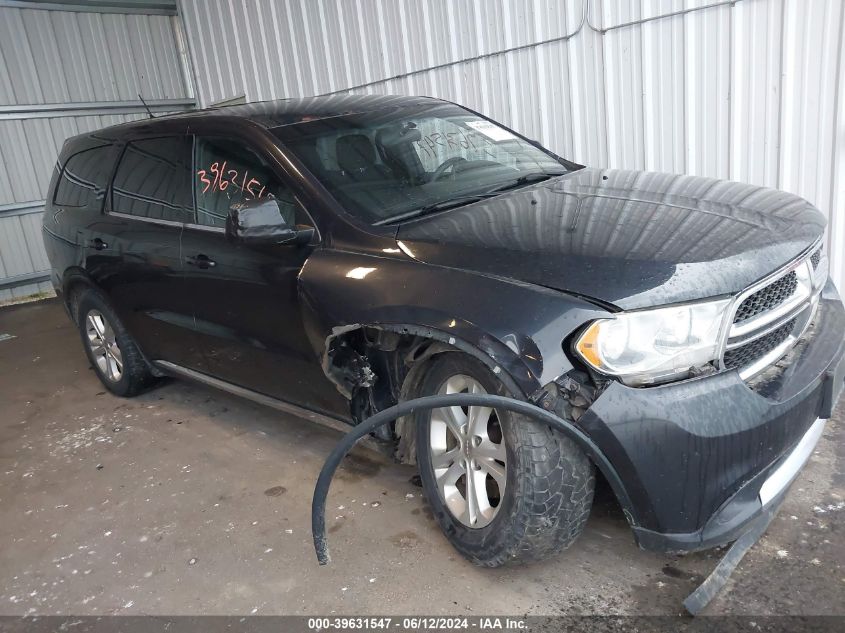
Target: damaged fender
517, 329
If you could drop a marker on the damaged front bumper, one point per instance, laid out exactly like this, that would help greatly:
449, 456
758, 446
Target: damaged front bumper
702, 460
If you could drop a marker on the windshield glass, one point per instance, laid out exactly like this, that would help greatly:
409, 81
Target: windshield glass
397, 163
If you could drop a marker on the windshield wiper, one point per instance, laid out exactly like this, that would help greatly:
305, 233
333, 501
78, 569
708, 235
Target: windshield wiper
443, 205
527, 179
464, 200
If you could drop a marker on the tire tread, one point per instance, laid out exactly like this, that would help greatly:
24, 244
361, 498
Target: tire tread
553, 492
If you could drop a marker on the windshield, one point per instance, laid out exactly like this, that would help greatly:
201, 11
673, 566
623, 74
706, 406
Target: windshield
397, 163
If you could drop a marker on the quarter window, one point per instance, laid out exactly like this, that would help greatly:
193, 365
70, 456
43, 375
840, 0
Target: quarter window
227, 172
84, 177
153, 180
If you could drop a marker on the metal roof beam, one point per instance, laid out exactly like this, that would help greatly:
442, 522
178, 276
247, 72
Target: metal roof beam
138, 7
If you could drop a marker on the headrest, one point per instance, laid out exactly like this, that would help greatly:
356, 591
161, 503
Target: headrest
398, 134
355, 152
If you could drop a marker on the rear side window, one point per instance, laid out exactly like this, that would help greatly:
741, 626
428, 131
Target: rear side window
84, 178
153, 180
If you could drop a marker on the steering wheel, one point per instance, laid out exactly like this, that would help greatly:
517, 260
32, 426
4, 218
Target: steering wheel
445, 166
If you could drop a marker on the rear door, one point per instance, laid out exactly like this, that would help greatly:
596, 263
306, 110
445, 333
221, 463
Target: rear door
247, 309
75, 206
138, 260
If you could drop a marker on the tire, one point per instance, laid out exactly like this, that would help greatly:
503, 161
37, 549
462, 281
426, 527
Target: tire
119, 364
548, 480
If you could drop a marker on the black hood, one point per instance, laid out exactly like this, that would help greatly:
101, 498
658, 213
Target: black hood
628, 238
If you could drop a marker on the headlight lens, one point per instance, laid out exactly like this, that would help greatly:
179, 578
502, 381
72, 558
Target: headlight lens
652, 346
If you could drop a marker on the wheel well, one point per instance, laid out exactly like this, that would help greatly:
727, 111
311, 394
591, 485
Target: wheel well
72, 291
377, 366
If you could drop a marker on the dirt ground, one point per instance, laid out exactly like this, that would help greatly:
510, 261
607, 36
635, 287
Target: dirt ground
189, 501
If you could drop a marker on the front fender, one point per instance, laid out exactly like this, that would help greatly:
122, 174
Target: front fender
520, 327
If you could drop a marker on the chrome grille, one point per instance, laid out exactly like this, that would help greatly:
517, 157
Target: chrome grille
768, 298
816, 258
755, 350
770, 317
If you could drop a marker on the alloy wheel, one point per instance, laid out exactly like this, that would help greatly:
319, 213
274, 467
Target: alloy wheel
103, 346
468, 456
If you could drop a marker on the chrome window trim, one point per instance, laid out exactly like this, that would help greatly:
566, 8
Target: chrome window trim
184, 225
145, 219
205, 227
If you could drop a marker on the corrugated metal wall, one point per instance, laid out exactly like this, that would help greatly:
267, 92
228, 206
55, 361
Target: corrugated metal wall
64, 73
752, 90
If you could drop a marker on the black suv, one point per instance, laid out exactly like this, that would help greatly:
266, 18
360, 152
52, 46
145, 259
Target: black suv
334, 256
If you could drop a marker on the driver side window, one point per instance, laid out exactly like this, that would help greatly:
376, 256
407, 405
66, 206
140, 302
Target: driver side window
227, 172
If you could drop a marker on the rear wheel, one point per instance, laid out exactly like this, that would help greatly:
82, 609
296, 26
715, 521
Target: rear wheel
503, 487
113, 353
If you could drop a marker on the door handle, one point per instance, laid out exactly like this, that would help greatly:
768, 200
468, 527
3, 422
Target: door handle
201, 261
97, 244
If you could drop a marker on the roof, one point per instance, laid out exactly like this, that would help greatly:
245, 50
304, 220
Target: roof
269, 114
288, 111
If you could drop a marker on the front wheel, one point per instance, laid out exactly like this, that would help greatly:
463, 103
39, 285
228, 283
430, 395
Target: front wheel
503, 487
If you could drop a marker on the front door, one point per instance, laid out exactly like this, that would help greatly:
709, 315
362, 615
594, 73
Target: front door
247, 311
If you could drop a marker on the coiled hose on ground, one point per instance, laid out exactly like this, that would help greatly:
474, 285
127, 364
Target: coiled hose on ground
318, 503
694, 603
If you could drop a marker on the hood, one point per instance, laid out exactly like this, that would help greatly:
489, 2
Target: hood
628, 238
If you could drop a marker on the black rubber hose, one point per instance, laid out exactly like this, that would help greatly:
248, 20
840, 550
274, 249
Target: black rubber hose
321, 490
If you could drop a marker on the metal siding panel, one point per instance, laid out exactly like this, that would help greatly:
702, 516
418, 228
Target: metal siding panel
67, 57
62, 56
43, 149
20, 167
43, 41
100, 67
6, 90
207, 71
664, 137
14, 250
755, 92
623, 79
811, 133
120, 56
587, 103
15, 49
31, 233
273, 86
836, 198
6, 159
708, 90
239, 37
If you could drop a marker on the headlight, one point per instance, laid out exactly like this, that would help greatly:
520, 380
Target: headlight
652, 346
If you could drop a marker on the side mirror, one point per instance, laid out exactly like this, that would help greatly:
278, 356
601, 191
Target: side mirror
262, 221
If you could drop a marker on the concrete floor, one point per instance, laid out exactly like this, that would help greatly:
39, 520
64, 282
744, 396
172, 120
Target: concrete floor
188, 501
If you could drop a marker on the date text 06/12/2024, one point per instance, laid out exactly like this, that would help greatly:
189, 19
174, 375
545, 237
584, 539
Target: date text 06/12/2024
416, 623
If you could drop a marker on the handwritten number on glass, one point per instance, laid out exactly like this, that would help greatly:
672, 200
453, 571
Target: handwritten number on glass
218, 178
